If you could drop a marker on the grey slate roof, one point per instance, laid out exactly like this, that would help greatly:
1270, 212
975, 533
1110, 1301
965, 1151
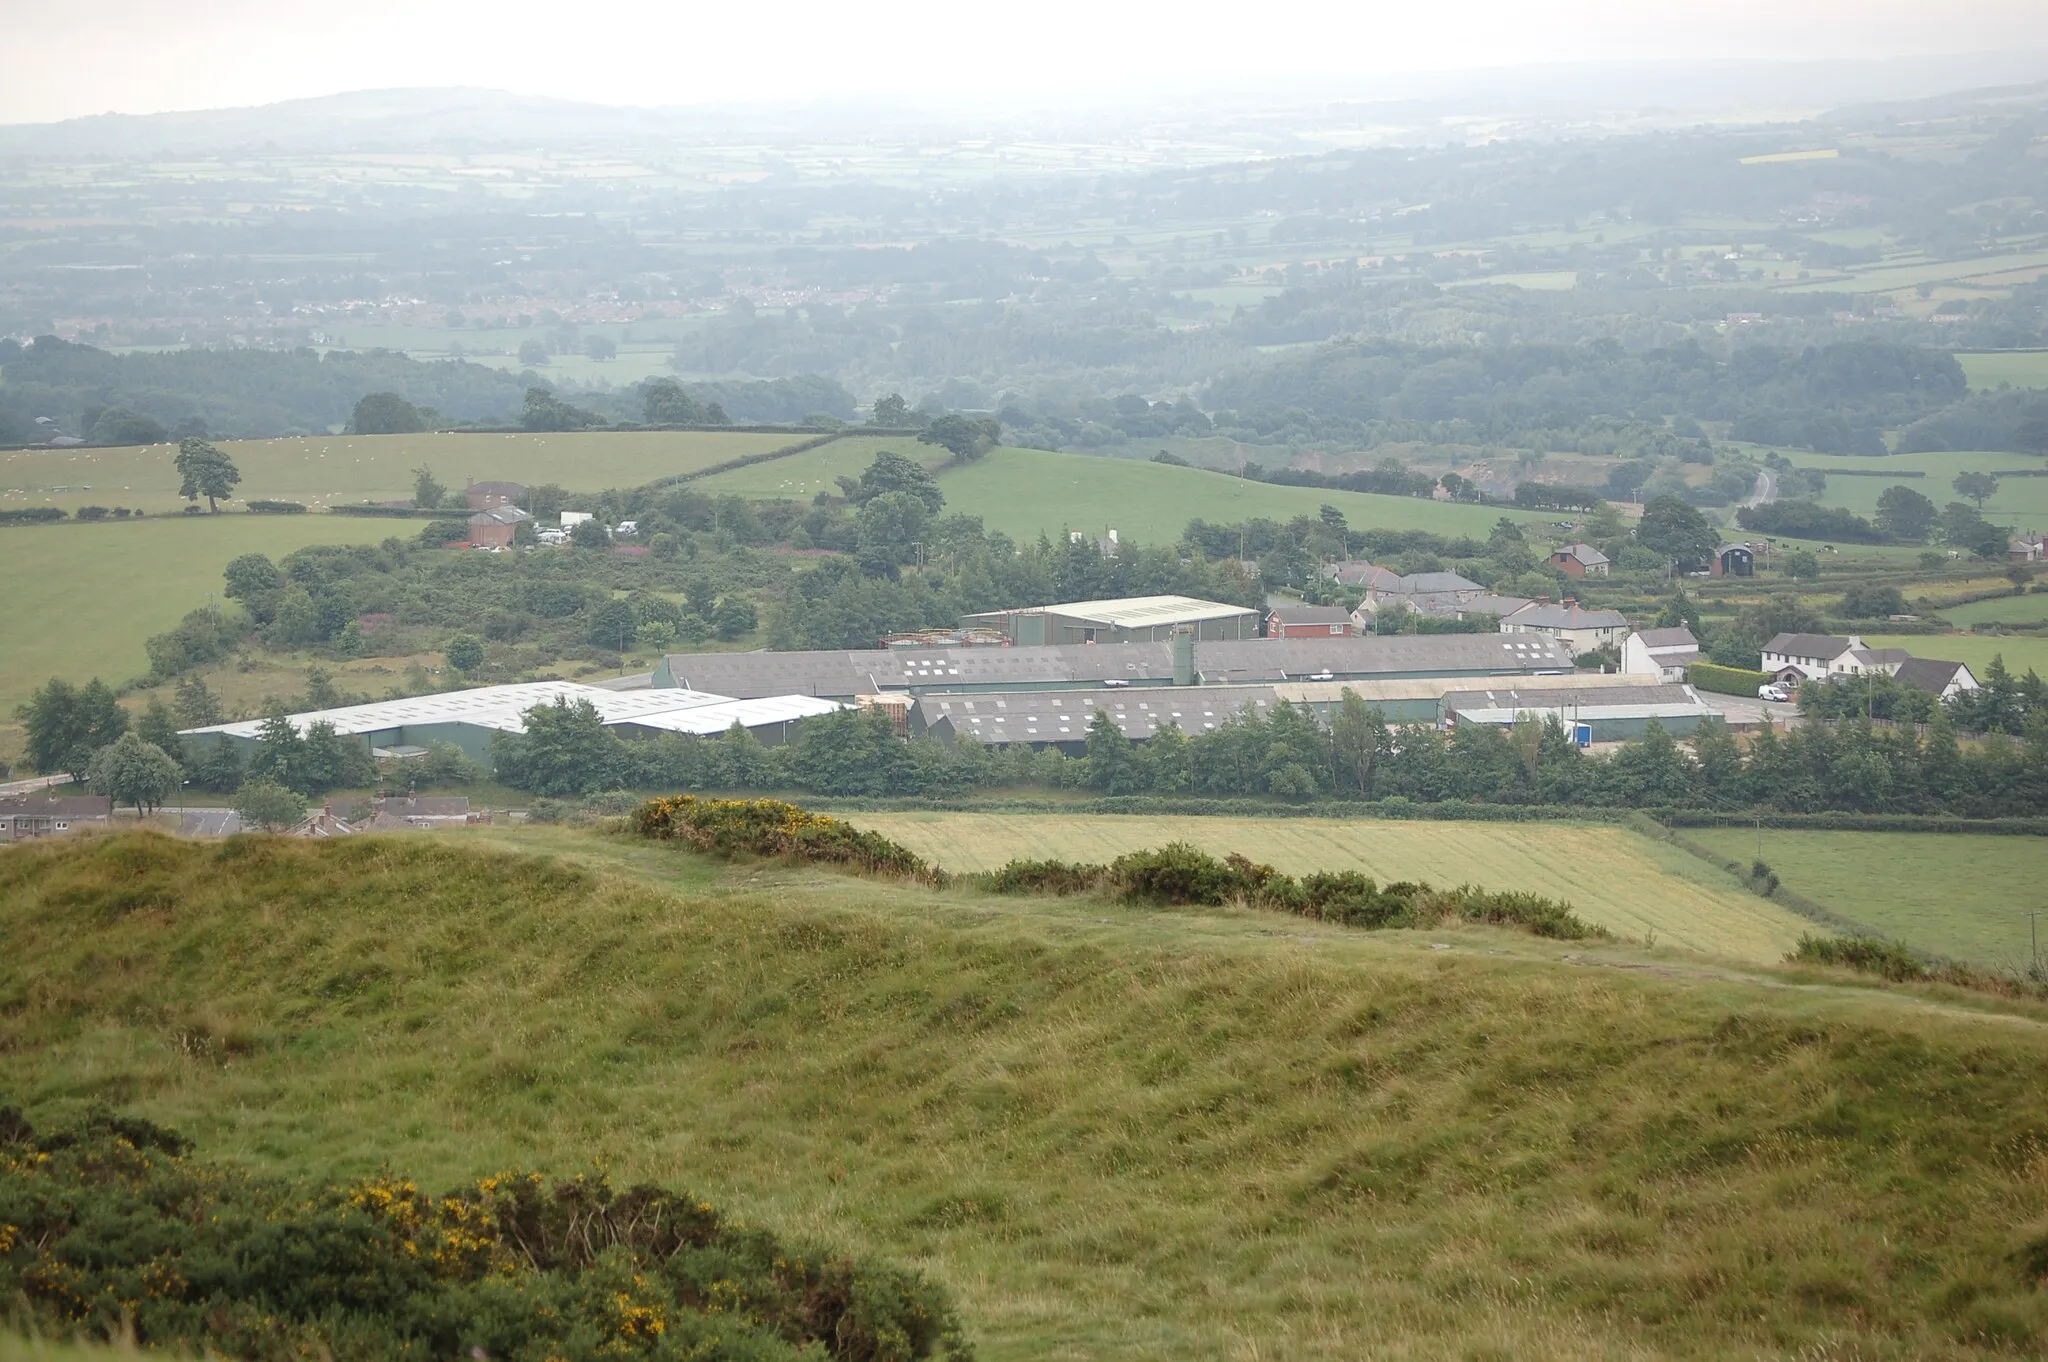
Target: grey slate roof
1310, 614
1586, 554
1927, 673
1822, 646
1655, 639
1505, 697
1419, 583
1043, 716
1543, 615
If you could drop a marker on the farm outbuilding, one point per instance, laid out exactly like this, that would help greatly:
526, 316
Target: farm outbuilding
1733, 560
1612, 713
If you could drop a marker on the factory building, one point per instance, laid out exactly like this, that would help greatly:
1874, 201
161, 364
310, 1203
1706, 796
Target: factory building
843, 675
1134, 619
466, 719
1606, 713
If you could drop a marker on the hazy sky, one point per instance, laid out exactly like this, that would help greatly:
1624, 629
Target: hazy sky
59, 60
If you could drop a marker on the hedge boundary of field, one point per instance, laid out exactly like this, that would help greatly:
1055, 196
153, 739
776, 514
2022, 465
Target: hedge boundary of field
746, 461
1721, 680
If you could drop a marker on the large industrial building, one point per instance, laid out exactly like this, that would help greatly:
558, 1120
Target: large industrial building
466, 719
1602, 714
1134, 619
843, 675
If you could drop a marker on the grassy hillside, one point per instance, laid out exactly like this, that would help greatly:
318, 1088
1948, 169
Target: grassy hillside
802, 476
1625, 883
1960, 896
2019, 502
1114, 1133
1024, 491
2020, 651
323, 470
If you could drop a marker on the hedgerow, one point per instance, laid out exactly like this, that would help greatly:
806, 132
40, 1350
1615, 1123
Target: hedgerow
108, 1228
772, 827
1726, 680
1898, 963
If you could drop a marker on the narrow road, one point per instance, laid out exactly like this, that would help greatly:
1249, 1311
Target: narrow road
30, 786
206, 821
1766, 489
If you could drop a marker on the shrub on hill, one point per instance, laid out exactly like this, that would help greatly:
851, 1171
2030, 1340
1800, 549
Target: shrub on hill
110, 1228
770, 827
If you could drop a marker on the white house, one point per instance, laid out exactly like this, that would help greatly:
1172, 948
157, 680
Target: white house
1663, 653
1571, 623
1943, 679
1817, 657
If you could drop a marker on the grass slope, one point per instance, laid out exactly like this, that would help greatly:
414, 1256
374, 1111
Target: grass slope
1625, 883
100, 590
1953, 894
2028, 609
2018, 503
1116, 1134
2020, 651
324, 470
2027, 369
1025, 491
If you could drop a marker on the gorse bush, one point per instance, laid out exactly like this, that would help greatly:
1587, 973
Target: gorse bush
108, 1228
1179, 874
771, 827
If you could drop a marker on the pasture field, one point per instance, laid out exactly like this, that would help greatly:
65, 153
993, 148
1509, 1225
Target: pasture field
325, 470
1990, 271
2020, 651
2020, 369
1024, 492
2028, 609
102, 589
802, 476
1954, 894
1111, 1133
1626, 883
2019, 501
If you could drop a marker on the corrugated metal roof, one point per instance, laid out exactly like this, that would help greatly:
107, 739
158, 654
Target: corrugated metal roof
496, 707
1063, 716
1148, 612
707, 720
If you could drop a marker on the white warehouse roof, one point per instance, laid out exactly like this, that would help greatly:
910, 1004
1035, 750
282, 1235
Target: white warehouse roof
496, 707
712, 719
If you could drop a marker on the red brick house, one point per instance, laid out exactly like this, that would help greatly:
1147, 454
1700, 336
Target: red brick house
1580, 560
492, 529
1307, 621
482, 496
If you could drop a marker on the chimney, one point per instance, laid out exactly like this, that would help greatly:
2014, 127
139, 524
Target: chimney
1182, 644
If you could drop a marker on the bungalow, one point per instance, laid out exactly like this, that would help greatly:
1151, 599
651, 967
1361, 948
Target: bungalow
24, 819
492, 529
1584, 630
1580, 560
1943, 679
1307, 621
1733, 560
1792, 658
1664, 653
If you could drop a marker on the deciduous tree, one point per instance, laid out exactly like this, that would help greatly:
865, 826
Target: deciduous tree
205, 472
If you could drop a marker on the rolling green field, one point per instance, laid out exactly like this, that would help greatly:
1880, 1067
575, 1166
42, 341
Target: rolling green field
1112, 1133
2019, 502
2028, 609
1626, 883
1953, 894
328, 469
1025, 491
2020, 370
102, 589
802, 476
2020, 652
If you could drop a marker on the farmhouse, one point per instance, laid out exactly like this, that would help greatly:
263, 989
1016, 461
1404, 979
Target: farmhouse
1792, 658
1362, 574
482, 496
1307, 621
1580, 560
1569, 623
492, 529
1663, 653
1135, 619
2030, 547
26, 818
467, 719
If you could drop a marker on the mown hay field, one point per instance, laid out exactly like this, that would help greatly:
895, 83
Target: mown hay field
1024, 492
328, 470
1624, 882
1957, 895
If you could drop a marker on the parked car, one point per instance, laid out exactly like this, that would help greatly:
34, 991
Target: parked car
1773, 692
